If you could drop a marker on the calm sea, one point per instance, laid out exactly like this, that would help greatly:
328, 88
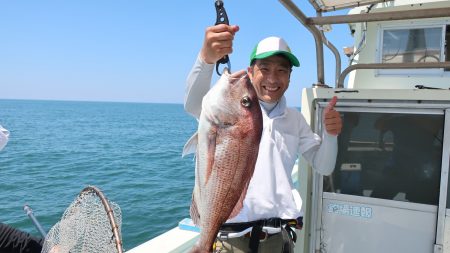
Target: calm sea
131, 151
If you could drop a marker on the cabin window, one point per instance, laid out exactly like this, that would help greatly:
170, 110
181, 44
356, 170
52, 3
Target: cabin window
395, 156
413, 45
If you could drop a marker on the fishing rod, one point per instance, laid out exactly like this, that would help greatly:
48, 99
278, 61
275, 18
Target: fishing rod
222, 18
29, 212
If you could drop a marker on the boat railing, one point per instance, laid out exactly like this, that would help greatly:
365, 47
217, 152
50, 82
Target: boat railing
421, 65
315, 26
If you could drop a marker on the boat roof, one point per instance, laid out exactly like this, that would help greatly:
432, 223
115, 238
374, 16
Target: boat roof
332, 5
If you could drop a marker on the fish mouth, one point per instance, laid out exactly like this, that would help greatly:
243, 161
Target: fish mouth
271, 89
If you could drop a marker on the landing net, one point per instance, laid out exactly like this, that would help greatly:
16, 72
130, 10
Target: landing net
91, 224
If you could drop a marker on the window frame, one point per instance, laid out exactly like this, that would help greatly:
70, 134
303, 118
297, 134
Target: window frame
388, 107
382, 27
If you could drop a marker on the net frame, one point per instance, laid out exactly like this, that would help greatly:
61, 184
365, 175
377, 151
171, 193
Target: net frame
110, 213
89, 207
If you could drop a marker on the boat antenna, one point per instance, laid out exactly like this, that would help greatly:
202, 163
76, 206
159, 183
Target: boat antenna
222, 18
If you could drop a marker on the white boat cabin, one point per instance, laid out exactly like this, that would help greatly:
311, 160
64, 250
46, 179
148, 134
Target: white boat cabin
388, 192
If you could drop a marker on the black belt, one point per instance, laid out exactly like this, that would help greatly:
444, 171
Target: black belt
271, 222
286, 226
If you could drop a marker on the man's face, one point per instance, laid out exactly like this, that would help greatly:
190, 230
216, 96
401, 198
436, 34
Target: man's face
270, 77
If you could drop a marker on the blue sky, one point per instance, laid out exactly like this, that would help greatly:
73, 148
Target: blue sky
137, 51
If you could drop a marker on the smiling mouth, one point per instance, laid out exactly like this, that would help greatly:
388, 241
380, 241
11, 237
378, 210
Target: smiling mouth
271, 89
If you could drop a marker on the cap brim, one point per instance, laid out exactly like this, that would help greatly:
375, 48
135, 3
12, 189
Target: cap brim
294, 61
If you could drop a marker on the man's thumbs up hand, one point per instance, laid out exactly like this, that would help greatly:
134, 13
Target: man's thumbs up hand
332, 119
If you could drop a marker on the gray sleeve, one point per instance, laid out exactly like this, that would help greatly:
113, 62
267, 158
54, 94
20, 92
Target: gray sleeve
323, 157
198, 84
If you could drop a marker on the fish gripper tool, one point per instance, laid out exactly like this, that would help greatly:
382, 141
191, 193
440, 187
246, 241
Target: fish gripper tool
222, 18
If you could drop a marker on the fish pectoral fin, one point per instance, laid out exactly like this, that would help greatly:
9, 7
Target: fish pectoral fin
211, 151
195, 215
191, 145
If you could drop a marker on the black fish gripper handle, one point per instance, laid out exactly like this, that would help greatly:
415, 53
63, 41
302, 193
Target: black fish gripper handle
222, 18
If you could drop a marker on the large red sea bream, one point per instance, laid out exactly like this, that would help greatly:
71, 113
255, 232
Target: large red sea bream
226, 146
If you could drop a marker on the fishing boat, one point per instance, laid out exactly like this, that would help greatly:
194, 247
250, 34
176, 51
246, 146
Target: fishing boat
389, 189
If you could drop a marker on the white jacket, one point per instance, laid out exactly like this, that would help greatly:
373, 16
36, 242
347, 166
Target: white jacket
285, 135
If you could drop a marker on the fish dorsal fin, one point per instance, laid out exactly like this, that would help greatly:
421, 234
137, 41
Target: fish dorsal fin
191, 145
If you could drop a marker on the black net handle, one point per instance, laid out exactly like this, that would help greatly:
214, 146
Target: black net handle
222, 18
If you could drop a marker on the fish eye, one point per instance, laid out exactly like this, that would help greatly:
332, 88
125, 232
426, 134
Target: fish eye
246, 102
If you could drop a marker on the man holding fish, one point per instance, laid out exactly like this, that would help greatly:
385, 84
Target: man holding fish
267, 207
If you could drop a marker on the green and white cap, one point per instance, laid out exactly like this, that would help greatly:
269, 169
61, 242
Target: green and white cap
273, 46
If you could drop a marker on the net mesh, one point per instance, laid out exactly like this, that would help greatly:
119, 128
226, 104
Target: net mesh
90, 224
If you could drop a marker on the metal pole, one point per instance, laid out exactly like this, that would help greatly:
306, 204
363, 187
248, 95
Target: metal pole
29, 212
334, 50
294, 10
337, 57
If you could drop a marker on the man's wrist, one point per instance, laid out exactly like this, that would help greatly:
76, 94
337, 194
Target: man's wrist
203, 58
